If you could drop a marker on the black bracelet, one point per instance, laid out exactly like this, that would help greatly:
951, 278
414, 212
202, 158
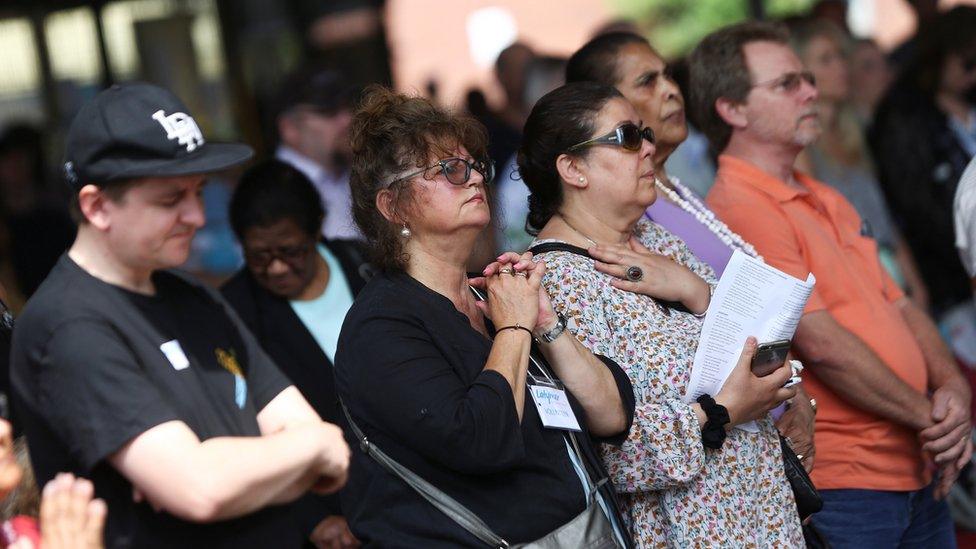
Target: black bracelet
713, 432
515, 327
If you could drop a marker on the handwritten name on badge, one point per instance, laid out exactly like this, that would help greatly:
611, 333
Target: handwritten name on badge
175, 354
554, 408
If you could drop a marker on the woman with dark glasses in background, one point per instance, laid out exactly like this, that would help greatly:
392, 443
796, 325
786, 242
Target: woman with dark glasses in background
441, 382
634, 292
293, 293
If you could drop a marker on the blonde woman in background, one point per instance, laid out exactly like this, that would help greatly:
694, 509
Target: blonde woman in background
841, 157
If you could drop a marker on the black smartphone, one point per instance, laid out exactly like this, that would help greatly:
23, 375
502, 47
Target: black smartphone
769, 357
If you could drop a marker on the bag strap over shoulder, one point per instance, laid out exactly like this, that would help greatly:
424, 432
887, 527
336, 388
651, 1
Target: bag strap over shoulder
665, 306
445, 503
558, 247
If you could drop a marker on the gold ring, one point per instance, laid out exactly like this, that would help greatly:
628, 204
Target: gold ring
506, 270
520, 273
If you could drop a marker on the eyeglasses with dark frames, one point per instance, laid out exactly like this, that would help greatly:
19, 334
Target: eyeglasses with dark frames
457, 171
291, 255
790, 82
630, 136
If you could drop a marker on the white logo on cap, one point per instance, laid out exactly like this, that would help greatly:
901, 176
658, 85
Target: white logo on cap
182, 127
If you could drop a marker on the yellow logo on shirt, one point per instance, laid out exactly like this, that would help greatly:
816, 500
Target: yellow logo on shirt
228, 361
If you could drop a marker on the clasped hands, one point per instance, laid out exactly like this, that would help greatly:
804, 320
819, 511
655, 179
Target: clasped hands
949, 441
515, 293
661, 277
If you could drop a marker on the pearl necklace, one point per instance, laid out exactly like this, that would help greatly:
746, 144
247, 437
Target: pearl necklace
690, 203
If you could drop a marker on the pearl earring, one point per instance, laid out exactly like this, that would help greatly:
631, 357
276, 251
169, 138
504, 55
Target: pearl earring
405, 232
582, 179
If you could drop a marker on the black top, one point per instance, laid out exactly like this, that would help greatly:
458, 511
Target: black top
293, 348
411, 370
89, 374
920, 161
283, 335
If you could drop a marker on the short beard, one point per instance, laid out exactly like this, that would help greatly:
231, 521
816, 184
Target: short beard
806, 137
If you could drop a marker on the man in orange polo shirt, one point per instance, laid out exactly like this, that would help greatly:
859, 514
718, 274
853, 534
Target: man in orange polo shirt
893, 407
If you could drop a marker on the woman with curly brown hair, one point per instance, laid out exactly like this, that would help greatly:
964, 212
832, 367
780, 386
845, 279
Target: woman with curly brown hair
441, 382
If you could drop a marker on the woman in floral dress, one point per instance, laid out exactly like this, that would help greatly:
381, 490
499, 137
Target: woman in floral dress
632, 291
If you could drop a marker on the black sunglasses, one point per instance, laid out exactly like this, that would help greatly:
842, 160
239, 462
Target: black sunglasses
790, 82
457, 170
291, 255
629, 136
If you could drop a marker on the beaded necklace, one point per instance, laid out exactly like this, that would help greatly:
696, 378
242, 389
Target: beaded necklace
690, 203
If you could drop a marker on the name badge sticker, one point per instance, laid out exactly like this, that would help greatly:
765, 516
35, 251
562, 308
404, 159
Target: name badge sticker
554, 408
175, 354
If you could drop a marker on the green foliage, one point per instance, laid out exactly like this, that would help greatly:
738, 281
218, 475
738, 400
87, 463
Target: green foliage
675, 26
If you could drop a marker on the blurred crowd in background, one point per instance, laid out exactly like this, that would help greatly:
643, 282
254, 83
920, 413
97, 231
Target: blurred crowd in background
231, 61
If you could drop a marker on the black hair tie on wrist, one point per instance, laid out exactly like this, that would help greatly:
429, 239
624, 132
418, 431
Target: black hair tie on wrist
713, 432
515, 327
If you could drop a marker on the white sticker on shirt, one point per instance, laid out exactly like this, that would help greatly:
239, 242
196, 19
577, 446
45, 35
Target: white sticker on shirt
175, 354
554, 408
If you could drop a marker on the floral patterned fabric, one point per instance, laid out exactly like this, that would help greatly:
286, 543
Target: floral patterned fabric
677, 493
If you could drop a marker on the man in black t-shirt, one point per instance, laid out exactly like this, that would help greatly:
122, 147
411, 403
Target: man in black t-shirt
141, 378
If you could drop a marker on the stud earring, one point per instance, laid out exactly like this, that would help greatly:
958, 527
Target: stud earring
582, 179
405, 232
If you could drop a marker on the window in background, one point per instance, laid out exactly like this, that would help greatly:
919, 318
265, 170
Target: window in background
72, 43
119, 20
20, 73
206, 41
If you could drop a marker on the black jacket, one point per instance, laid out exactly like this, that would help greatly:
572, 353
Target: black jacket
293, 348
282, 334
919, 163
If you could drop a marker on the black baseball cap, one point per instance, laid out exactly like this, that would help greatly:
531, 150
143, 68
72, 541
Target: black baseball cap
322, 90
140, 130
